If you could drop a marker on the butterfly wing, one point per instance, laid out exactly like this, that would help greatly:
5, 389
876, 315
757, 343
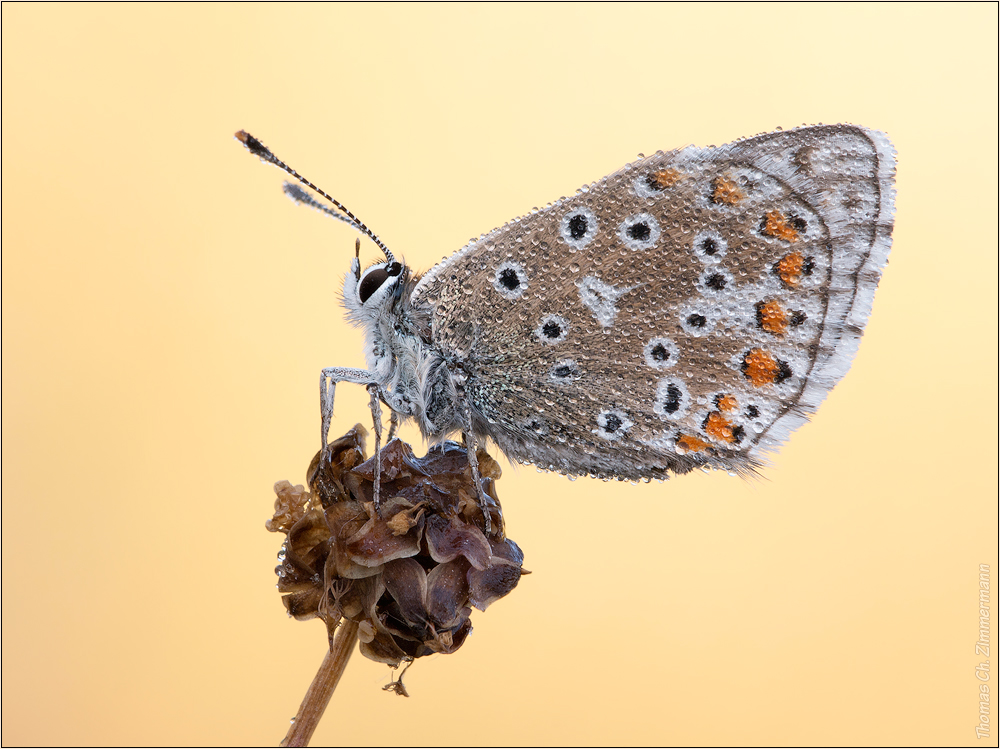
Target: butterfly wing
691, 309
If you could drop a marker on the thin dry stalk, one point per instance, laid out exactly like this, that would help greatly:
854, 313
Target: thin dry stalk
321, 690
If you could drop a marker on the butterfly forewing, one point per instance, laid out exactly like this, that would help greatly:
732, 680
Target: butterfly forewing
692, 308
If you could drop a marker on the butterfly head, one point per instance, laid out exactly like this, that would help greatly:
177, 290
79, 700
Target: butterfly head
368, 293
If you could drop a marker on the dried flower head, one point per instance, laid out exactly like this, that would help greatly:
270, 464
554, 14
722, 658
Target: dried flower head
407, 575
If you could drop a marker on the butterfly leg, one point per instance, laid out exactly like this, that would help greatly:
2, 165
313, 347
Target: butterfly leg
376, 406
328, 380
470, 447
393, 425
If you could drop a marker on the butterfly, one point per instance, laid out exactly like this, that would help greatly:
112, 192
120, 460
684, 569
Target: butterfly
690, 310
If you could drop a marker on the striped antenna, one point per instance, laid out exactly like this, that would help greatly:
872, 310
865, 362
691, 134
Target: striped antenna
301, 197
261, 151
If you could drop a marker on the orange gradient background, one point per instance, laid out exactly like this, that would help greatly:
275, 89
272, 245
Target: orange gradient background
166, 312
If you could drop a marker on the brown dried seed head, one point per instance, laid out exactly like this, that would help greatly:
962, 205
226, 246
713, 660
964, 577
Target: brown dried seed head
410, 575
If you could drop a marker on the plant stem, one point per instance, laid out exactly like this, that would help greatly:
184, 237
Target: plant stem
321, 689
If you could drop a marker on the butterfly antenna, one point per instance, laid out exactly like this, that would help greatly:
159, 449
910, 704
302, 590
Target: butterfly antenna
301, 197
261, 151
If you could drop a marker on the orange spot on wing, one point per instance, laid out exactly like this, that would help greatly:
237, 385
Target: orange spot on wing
664, 178
790, 268
725, 191
777, 225
772, 317
689, 444
762, 368
727, 403
717, 426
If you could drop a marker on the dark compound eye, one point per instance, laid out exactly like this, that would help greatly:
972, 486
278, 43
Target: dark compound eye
394, 269
372, 282
578, 226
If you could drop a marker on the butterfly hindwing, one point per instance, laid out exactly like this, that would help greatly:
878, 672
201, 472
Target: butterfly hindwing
692, 308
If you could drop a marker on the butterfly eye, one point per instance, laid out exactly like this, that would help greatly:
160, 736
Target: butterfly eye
373, 280
394, 269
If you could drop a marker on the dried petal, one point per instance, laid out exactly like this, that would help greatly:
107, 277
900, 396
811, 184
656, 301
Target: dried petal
293, 577
383, 649
366, 632
451, 640
398, 463
346, 567
328, 468
500, 578
447, 592
375, 543
307, 540
289, 507
406, 582
451, 459
303, 605
447, 540
350, 520
363, 597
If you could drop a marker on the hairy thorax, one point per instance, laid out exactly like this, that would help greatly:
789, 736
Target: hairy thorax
415, 376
